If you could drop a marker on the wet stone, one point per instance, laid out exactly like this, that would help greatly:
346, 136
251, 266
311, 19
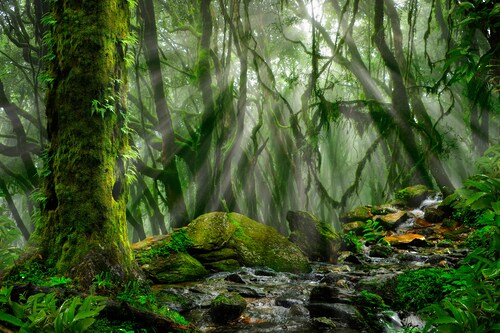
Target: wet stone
247, 291
434, 215
298, 310
234, 278
329, 294
344, 313
287, 302
227, 307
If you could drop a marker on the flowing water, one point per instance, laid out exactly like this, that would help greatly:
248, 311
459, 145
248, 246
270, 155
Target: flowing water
279, 302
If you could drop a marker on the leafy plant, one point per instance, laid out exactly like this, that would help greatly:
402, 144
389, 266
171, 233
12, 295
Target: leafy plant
373, 232
9, 234
351, 242
478, 201
102, 281
137, 294
54, 281
481, 238
474, 306
42, 312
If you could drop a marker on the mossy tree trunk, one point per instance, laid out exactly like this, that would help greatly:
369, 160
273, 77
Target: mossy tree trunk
83, 231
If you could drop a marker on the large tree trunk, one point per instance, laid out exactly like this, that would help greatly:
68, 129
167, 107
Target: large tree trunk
84, 230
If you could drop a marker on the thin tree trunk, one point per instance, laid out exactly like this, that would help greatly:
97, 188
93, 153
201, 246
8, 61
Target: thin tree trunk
176, 204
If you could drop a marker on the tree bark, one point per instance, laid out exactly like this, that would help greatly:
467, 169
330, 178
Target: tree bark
84, 228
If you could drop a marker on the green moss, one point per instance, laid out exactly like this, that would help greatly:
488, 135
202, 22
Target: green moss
361, 213
177, 267
227, 265
261, 245
413, 195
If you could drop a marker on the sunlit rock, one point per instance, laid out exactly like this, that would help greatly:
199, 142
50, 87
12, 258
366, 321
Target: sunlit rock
406, 239
384, 209
314, 237
391, 221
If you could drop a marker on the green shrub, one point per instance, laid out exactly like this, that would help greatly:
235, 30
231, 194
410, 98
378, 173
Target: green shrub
481, 238
419, 288
474, 303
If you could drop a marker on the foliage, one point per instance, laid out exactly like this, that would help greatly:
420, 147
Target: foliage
481, 192
373, 232
351, 242
103, 282
173, 315
8, 235
370, 306
419, 288
137, 294
481, 238
45, 313
178, 242
474, 304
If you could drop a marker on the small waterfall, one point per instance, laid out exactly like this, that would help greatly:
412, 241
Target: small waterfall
418, 213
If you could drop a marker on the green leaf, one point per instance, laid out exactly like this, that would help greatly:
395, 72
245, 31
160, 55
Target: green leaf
445, 320
10, 319
467, 5
496, 207
84, 324
474, 197
85, 314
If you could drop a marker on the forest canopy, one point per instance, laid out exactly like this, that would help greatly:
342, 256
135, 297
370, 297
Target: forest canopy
261, 107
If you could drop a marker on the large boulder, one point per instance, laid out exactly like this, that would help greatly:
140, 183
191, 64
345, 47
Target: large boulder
217, 242
221, 236
314, 237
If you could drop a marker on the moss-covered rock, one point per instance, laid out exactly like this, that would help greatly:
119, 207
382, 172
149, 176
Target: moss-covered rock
357, 227
226, 265
314, 237
361, 213
173, 268
413, 196
217, 242
226, 307
260, 245
211, 231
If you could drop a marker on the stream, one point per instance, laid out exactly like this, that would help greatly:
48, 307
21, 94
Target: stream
286, 302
